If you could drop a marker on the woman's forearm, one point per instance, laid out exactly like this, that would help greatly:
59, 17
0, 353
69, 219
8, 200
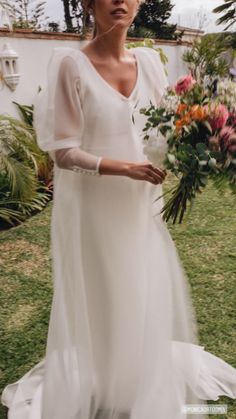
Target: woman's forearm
84, 162
114, 167
140, 171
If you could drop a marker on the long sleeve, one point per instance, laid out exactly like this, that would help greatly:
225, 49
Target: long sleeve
156, 73
69, 121
59, 119
77, 160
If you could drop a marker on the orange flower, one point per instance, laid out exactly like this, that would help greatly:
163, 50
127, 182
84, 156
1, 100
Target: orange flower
181, 108
183, 121
187, 118
178, 124
198, 112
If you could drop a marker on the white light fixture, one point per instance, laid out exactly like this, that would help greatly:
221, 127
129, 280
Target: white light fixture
9, 63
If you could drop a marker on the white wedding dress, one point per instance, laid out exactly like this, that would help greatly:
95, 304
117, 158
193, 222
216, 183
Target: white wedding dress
122, 340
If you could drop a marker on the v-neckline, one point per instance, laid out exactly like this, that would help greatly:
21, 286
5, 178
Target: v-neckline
127, 98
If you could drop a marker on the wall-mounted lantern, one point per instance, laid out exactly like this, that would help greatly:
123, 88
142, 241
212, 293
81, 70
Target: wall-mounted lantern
9, 66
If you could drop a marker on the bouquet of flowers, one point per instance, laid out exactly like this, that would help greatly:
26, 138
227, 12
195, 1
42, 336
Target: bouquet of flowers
193, 134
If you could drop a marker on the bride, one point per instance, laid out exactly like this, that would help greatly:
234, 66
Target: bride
122, 340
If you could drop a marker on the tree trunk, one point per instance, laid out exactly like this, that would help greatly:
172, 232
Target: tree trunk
68, 19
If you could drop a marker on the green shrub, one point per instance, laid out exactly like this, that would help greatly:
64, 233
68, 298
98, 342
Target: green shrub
22, 191
206, 57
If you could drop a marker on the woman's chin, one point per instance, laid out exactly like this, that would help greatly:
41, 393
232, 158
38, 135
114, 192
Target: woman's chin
120, 20
115, 25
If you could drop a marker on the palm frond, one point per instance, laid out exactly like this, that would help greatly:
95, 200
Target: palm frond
21, 162
228, 8
11, 216
26, 112
22, 180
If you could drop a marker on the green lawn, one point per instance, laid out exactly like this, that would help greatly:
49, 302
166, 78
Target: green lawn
207, 247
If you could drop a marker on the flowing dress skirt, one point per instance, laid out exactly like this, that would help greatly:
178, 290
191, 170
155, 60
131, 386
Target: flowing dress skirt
122, 339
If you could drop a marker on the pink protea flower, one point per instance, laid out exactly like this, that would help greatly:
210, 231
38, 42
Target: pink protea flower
184, 84
218, 117
227, 138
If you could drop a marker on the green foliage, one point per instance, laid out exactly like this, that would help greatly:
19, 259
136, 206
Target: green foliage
43, 159
205, 57
20, 23
21, 191
26, 112
149, 43
228, 37
152, 20
195, 150
141, 32
233, 42
28, 15
53, 26
228, 8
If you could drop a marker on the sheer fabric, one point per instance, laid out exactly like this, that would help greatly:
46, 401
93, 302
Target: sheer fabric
78, 160
68, 119
122, 340
59, 120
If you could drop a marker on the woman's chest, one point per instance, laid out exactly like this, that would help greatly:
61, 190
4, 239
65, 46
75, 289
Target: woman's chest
122, 77
108, 112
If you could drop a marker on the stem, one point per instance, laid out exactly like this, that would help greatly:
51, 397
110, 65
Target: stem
165, 193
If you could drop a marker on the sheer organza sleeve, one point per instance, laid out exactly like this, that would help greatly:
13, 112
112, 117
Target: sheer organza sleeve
157, 73
58, 115
162, 81
78, 160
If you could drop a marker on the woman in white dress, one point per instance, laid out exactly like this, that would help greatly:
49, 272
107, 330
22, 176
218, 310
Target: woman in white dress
122, 340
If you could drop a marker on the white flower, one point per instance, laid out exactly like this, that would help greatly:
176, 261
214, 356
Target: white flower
226, 91
170, 102
155, 149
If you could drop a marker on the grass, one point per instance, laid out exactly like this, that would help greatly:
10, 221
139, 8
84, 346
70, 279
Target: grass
26, 294
206, 242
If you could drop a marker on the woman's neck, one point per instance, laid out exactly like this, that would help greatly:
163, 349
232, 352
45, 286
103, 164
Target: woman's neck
112, 45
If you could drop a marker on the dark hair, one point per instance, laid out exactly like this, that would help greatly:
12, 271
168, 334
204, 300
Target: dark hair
87, 4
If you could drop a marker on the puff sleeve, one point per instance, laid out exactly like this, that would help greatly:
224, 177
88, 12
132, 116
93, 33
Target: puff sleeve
58, 116
162, 81
156, 73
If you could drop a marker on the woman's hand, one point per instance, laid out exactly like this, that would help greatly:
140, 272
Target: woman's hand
146, 171
139, 171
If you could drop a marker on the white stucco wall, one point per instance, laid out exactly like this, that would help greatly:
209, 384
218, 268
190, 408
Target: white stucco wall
34, 55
